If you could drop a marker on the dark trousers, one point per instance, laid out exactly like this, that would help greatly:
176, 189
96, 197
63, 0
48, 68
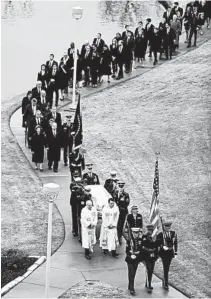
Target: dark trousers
87, 74
66, 153
94, 77
79, 228
128, 65
150, 264
193, 31
54, 163
120, 224
120, 73
132, 268
166, 265
114, 66
74, 219
155, 53
50, 97
86, 251
168, 51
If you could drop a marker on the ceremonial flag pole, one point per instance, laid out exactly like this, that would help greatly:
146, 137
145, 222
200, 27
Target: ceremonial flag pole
154, 211
77, 125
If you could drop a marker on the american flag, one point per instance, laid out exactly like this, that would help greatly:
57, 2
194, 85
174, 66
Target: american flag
77, 125
154, 212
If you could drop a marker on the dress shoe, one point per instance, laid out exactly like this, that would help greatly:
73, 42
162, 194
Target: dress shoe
109, 81
75, 234
41, 170
149, 290
113, 76
105, 251
49, 167
88, 257
114, 254
55, 170
132, 292
65, 164
166, 287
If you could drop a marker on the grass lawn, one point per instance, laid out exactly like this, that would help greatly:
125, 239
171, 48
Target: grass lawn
167, 109
24, 211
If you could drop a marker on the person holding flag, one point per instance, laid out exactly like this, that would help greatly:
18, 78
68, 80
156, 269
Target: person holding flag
168, 249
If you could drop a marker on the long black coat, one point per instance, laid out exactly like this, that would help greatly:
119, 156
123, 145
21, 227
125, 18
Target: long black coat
140, 46
43, 78
25, 102
156, 42
105, 63
54, 145
37, 146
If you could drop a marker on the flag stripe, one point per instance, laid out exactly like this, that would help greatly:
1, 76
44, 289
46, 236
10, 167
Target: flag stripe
154, 211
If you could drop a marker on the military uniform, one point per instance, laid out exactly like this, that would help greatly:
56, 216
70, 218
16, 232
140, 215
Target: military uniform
91, 178
149, 255
122, 200
133, 256
76, 193
81, 204
110, 183
67, 139
168, 250
76, 163
132, 221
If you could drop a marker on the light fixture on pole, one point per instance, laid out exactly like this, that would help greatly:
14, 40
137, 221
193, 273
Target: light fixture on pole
77, 13
51, 192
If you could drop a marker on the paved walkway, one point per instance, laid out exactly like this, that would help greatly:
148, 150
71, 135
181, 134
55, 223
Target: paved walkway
68, 265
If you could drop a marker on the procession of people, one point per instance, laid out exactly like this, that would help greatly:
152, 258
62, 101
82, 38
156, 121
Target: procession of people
46, 132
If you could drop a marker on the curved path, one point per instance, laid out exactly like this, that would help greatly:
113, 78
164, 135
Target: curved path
68, 265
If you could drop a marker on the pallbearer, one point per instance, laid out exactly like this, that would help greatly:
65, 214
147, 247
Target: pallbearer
90, 177
168, 249
110, 183
150, 254
77, 162
122, 200
133, 255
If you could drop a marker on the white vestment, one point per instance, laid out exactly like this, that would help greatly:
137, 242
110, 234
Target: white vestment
108, 236
88, 234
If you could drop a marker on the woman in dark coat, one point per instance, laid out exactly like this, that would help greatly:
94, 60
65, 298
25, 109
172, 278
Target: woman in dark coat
94, 67
26, 100
140, 46
43, 76
105, 63
37, 147
114, 51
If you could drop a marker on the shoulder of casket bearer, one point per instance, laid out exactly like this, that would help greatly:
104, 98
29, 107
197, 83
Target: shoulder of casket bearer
150, 226
167, 223
113, 173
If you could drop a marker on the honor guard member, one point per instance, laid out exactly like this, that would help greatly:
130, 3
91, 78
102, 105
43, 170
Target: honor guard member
76, 193
168, 249
122, 200
110, 182
77, 162
67, 139
134, 219
85, 196
90, 177
149, 254
133, 255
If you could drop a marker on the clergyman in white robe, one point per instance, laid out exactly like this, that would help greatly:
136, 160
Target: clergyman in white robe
108, 233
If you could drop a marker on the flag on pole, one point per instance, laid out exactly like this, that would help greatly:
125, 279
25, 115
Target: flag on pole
154, 212
77, 125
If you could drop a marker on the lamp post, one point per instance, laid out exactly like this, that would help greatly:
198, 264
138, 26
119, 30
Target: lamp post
51, 192
77, 13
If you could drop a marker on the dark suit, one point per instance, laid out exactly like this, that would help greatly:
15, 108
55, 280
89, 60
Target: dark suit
167, 15
194, 23
53, 86
120, 60
25, 102
124, 34
43, 78
49, 67
99, 44
57, 119
91, 178
168, 42
149, 30
156, 45
33, 123
128, 53
36, 94
167, 255
94, 68
174, 11
53, 144
86, 63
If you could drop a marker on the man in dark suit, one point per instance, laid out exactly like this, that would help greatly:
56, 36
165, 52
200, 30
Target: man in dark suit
122, 200
176, 8
149, 29
53, 147
167, 14
36, 91
56, 116
194, 25
120, 59
67, 139
53, 85
155, 45
124, 33
128, 52
99, 43
86, 62
37, 120
168, 41
29, 112
43, 103
89, 177
50, 63
168, 249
